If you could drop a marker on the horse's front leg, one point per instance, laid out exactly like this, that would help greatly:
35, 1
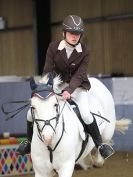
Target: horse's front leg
67, 169
98, 160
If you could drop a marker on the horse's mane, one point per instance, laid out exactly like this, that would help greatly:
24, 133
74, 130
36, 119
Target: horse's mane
56, 81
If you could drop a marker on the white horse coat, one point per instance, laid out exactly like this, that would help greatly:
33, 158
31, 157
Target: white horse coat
70, 136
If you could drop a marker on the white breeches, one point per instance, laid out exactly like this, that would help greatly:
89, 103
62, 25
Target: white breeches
80, 96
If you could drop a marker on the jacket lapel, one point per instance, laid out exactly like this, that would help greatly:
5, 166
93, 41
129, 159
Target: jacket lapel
63, 54
74, 56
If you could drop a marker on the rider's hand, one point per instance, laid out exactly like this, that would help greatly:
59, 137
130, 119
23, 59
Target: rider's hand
66, 95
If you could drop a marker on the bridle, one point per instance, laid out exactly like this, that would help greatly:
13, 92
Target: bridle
47, 122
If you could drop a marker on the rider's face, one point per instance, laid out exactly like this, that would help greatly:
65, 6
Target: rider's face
72, 38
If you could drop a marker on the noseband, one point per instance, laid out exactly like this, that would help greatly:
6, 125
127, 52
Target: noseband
46, 122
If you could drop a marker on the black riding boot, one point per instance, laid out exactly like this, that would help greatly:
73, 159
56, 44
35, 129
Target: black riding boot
25, 146
105, 149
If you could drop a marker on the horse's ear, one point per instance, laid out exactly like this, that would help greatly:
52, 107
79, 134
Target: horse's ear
33, 84
50, 79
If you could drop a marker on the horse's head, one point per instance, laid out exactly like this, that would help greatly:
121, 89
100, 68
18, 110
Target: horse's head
45, 109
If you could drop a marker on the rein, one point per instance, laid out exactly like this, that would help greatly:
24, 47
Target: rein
16, 111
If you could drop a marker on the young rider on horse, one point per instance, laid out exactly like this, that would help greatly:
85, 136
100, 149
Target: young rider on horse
69, 58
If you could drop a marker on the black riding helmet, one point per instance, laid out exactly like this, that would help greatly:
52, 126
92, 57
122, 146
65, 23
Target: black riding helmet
74, 24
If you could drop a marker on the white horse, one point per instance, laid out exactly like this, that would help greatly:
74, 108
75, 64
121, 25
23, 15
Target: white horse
58, 135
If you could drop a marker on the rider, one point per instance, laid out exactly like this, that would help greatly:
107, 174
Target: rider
69, 58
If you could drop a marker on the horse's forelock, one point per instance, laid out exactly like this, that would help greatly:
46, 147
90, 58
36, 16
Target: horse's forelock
57, 81
44, 79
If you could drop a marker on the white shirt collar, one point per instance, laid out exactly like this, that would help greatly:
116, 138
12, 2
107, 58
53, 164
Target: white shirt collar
62, 45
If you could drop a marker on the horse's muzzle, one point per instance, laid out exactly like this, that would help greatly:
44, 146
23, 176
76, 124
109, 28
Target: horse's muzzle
47, 139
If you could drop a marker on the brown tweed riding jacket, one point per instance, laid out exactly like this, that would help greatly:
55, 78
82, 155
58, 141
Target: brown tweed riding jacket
72, 70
